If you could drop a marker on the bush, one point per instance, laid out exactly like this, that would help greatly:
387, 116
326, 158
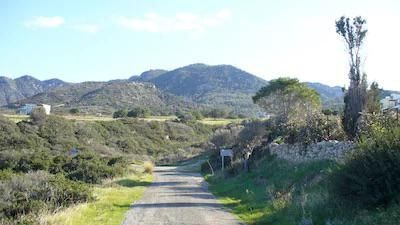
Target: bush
370, 177
148, 167
89, 168
38, 115
74, 111
197, 115
120, 113
139, 113
34, 192
226, 137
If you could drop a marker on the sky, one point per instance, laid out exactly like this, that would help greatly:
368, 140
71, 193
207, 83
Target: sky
99, 40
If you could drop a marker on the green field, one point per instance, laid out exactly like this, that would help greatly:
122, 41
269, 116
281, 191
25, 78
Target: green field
113, 200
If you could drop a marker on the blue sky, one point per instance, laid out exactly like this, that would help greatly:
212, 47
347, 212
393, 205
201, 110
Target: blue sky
79, 40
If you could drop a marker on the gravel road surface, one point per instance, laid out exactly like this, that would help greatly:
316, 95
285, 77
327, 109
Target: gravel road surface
178, 198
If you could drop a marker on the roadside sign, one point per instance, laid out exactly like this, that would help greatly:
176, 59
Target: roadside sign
223, 153
226, 152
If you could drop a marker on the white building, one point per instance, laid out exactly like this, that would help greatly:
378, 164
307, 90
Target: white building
47, 108
390, 102
28, 108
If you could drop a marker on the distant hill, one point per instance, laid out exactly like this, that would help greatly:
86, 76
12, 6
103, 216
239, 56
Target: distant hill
185, 88
221, 86
12, 90
106, 97
331, 97
148, 75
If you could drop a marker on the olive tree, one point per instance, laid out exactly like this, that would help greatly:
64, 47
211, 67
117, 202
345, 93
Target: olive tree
287, 97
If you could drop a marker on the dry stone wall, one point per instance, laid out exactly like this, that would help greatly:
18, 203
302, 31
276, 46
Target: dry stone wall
332, 150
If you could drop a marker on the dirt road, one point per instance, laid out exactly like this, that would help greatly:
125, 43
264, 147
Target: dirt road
178, 198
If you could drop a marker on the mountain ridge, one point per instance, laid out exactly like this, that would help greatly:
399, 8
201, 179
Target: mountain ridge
194, 85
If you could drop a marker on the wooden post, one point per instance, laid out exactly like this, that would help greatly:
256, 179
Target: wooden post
222, 158
212, 170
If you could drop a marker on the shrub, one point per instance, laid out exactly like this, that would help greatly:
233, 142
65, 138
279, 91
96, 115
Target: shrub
148, 167
38, 115
37, 191
74, 111
197, 115
226, 137
10, 135
370, 177
120, 113
139, 112
59, 132
89, 168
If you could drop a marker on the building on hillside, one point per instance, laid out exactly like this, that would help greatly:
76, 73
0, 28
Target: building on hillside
28, 108
47, 108
390, 102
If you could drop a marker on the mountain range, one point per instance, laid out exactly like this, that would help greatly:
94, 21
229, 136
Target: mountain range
193, 86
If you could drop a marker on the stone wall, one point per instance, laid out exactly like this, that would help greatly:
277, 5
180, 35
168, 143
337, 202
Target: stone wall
332, 150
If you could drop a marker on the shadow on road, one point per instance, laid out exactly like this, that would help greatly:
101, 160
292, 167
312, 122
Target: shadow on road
131, 183
177, 205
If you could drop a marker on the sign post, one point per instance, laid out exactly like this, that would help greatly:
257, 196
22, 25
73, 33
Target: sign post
223, 153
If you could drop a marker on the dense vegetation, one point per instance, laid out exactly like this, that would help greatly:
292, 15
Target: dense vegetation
49, 162
361, 189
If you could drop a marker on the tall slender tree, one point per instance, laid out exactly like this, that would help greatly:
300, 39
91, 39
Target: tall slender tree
353, 32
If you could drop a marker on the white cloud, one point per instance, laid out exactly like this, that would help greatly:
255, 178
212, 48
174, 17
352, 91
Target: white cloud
152, 22
87, 28
45, 22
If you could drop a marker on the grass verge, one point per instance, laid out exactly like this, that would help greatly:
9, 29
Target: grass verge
284, 193
113, 200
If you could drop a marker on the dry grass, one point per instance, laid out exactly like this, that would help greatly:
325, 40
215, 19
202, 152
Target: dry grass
148, 167
16, 117
219, 121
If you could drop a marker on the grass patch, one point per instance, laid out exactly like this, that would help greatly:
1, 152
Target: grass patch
284, 193
16, 118
113, 200
273, 193
208, 121
219, 121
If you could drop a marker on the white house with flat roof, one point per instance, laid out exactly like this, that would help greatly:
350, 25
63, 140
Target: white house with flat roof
390, 102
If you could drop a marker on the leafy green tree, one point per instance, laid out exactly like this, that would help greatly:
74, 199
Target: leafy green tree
120, 113
74, 111
218, 113
38, 115
286, 97
353, 32
372, 104
139, 112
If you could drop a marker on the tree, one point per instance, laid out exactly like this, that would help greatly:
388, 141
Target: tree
287, 97
372, 104
74, 111
353, 33
218, 113
120, 113
138, 112
38, 115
